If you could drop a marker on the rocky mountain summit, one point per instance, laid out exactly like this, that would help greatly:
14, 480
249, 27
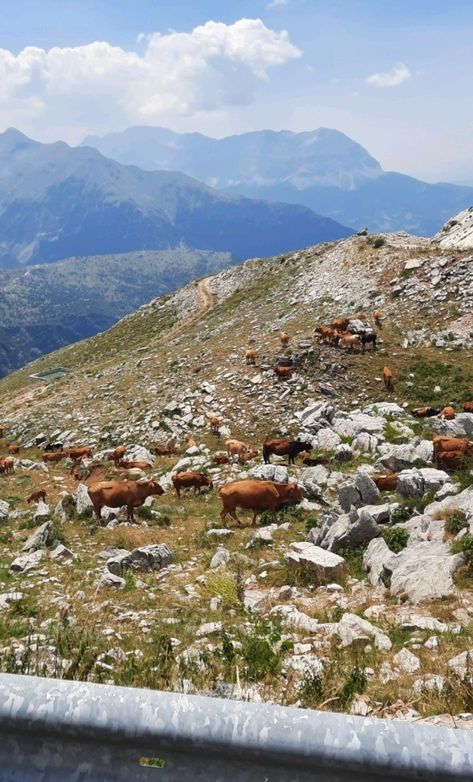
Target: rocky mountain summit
356, 599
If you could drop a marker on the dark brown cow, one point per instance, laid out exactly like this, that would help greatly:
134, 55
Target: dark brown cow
283, 373
283, 446
386, 482
189, 480
36, 496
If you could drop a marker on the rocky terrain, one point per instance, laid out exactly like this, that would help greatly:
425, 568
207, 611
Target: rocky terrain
355, 599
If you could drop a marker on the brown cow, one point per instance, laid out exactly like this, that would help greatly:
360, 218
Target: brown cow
189, 480
283, 446
283, 373
247, 456
257, 496
340, 324
388, 379
215, 424
114, 494
117, 454
377, 318
78, 453
13, 448
250, 357
36, 496
162, 451
451, 460
189, 441
325, 333
7, 465
139, 465
468, 407
385, 482
284, 337
448, 413
221, 458
236, 448
350, 342
53, 456
443, 445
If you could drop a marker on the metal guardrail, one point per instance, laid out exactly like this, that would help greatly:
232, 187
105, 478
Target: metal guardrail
61, 731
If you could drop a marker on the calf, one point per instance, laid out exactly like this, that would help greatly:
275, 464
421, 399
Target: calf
139, 465
189, 441
36, 496
13, 448
7, 465
283, 446
388, 379
351, 342
448, 413
221, 458
385, 482
215, 424
283, 373
377, 318
284, 337
451, 460
236, 448
79, 453
117, 454
340, 324
468, 407
189, 480
257, 496
162, 451
250, 357
247, 456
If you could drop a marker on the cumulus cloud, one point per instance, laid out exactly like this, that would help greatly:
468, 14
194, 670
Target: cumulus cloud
397, 75
97, 86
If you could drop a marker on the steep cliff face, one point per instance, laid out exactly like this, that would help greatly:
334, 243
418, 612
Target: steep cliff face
457, 232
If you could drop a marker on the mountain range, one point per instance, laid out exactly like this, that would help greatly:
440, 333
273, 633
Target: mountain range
323, 169
57, 201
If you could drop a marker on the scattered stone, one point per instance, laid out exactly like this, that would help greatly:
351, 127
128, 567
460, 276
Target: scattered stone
322, 566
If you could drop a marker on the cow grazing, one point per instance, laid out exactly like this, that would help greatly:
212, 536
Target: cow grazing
388, 379
350, 342
215, 424
283, 446
220, 458
283, 373
425, 412
250, 357
369, 338
137, 464
53, 456
115, 494
257, 496
13, 448
377, 318
468, 407
385, 482
162, 451
340, 324
236, 448
189, 480
36, 496
284, 338
117, 454
448, 413
247, 456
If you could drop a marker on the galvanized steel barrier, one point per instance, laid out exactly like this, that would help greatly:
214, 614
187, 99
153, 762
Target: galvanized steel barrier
61, 731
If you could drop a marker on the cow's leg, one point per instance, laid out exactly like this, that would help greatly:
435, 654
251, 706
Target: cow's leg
234, 516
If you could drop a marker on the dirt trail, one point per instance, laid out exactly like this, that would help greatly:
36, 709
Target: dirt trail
206, 302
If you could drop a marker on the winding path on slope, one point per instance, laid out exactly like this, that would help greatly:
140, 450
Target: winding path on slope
206, 301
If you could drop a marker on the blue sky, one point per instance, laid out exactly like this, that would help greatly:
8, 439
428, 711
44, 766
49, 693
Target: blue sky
395, 76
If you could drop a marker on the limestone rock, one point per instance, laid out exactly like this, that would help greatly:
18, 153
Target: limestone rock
220, 558
352, 627
27, 562
269, 472
143, 559
322, 566
40, 538
406, 661
109, 579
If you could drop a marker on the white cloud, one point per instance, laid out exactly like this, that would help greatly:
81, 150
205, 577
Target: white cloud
277, 3
397, 75
99, 86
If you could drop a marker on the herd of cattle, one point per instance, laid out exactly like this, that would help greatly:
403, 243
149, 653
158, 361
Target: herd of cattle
255, 495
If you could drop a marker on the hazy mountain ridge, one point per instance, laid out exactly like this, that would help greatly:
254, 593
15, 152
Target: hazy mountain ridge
50, 306
322, 169
57, 201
